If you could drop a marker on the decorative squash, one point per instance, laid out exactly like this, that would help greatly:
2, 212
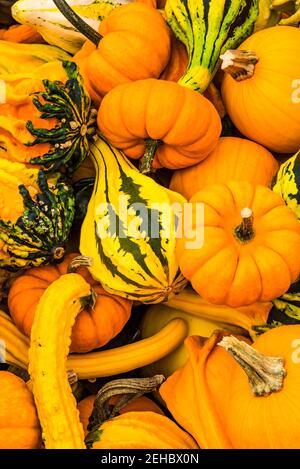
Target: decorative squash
141, 404
142, 430
249, 404
184, 134
117, 54
260, 88
103, 363
232, 159
53, 128
49, 346
203, 319
251, 231
18, 58
52, 24
93, 327
208, 28
287, 185
19, 424
125, 208
36, 216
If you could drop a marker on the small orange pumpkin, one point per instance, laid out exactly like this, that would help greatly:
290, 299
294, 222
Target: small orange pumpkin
250, 249
172, 126
178, 62
232, 159
135, 44
19, 423
262, 99
92, 329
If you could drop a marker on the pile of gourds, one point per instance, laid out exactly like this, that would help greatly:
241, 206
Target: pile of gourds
148, 156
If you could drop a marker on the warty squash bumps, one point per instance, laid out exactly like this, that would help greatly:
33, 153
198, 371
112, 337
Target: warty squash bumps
36, 215
168, 125
93, 327
261, 88
251, 245
232, 159
47, 117
130, 230
134, 43
19, 424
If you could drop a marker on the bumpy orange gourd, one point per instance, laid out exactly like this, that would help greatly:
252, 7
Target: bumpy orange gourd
19, 424
135, 44
93, 327
178, 125
141, 404
266, 106
251, 244
233, 159
230, 407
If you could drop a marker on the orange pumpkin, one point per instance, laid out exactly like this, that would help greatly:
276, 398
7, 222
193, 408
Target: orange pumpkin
233, 159
92, 329
251, 403
172, 126
122, 55
250, 249
19, 424
263, 99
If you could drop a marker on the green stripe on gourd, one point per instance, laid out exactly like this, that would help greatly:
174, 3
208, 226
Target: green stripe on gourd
39, 236
287, 183
208, 28
71, 105
116, 232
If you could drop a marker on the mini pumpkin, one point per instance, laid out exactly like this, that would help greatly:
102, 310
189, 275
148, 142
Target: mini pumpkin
19, 424
250, 249
93, 328
129, 37
232, 159
182, 135
261, 88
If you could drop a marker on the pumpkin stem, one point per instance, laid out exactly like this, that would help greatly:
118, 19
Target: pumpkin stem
245, 232
240, 64
79, 261
130, 389
146, 161
265, 374
78, 22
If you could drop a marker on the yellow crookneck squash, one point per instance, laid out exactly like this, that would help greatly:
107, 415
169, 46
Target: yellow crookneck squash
46, 117
245, 401
50, 341
103, 362
130, 230
203, 319
250, 245
261, 88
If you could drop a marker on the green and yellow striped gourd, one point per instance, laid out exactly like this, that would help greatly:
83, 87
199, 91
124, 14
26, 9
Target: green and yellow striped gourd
129, 230
287, 183
208, 28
